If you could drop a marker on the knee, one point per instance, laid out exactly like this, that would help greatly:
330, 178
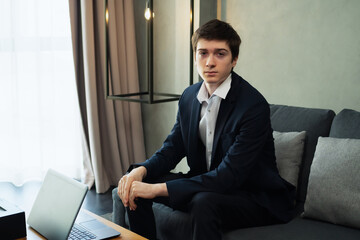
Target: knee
118, 209
115, 195
202, 205
117, 203
201, 199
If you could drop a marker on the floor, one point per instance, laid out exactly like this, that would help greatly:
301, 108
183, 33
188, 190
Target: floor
24, 196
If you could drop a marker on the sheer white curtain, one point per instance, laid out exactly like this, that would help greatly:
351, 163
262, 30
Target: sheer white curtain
39, 113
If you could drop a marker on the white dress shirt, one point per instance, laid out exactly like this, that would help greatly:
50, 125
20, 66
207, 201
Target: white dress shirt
209, 112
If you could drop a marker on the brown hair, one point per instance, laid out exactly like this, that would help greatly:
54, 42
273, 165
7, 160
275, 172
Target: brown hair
218, 30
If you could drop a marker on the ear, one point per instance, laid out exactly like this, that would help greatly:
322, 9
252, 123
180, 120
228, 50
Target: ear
233, 63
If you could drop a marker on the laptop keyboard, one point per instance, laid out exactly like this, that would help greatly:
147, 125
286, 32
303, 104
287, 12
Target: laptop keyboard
80, 233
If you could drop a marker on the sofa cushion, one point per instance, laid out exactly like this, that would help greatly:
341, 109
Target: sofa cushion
316, 122
289, 148
334, 191
346, 124
171, 224
176, 225
297, 229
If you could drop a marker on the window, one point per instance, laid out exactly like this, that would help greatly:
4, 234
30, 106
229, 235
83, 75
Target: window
39, 123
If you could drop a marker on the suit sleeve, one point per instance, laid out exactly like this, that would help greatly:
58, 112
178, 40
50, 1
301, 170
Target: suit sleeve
173, 149
241, 157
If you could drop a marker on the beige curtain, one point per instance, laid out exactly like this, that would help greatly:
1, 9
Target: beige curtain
112, 130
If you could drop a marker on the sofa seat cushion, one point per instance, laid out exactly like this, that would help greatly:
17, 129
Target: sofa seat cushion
176, 225
171, 224
297, 229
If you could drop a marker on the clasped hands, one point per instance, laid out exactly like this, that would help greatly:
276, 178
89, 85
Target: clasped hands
131, 187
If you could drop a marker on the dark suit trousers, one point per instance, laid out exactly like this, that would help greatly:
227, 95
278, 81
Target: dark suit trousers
211, 214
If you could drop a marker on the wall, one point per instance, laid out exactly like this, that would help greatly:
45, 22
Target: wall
303, 53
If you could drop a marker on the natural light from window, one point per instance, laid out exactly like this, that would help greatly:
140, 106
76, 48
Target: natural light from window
39, 123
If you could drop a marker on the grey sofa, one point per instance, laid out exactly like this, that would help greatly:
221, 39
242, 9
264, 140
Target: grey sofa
314, 223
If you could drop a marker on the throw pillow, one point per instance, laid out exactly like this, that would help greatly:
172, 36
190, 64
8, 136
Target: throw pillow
289, 147
334, 191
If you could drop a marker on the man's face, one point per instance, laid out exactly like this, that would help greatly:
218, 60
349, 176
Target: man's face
214, 61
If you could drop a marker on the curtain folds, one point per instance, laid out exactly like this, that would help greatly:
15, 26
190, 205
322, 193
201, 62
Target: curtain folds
112, 130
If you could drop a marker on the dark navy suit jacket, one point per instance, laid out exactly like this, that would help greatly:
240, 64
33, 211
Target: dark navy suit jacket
243, 157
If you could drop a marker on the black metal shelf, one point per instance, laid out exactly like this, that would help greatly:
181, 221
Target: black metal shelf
148, 96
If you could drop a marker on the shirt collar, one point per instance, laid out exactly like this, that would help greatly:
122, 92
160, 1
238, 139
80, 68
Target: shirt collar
221, 91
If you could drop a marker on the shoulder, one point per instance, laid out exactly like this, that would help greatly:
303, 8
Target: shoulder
242, 91
190, 93
192, 89
241, 84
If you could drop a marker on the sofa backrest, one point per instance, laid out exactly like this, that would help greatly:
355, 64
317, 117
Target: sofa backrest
346, 124
316, 122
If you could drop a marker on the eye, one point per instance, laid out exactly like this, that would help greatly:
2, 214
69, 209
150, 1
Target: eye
221, 54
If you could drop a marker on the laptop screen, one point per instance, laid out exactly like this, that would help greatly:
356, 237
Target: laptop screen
56, 205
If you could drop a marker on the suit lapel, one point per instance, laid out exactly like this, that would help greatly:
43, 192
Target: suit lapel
225, 109
195, 149
194, 125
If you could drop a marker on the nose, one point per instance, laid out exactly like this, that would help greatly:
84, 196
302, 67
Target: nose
210, 62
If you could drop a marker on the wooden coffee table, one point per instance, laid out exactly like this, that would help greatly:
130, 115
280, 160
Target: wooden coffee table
125, 233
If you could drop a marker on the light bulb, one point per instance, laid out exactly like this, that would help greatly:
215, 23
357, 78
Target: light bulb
107, 16
147, 14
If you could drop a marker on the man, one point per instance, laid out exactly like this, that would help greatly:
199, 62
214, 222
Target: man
223, 129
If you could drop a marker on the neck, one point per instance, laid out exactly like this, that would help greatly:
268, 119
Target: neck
211, 87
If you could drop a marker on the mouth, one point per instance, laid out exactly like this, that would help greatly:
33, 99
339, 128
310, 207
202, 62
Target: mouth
210, 73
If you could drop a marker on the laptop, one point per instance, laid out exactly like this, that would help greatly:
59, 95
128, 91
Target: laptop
57, 206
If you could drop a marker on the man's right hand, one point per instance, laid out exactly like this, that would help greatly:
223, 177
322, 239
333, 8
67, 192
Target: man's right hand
137, 174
